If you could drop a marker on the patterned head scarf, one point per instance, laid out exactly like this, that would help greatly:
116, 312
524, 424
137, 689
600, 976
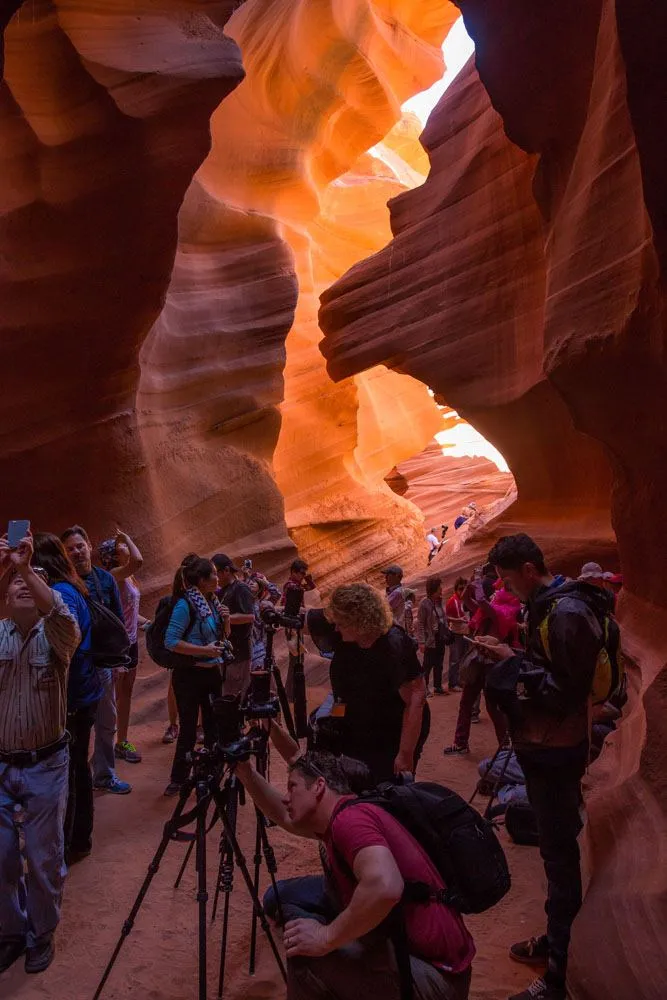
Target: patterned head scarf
107, 552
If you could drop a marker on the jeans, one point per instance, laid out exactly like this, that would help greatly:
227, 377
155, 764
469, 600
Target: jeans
456, 651
30, 899
470, 694
364, 968
104, 761
434, 658
553, 781
79, 814
193, 687
305, 896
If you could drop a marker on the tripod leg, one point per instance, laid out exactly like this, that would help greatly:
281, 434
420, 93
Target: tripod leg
230, 794
283, 700
181, 871
257, 861
243, 868
170, 828
202, 894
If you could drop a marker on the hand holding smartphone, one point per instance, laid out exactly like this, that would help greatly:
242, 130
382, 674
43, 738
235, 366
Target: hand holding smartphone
16, 532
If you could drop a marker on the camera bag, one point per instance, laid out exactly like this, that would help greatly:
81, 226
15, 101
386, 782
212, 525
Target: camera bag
459, 841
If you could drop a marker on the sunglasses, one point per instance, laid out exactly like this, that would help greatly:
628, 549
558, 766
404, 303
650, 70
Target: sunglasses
305, 761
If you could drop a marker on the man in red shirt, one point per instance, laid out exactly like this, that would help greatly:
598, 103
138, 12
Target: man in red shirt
333, 923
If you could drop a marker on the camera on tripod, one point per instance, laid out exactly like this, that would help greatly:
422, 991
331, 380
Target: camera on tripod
275, 619
231, 714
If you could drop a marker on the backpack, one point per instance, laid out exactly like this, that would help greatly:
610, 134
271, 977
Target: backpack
460, 843
521, 824
109, 641
155, 634
609, 678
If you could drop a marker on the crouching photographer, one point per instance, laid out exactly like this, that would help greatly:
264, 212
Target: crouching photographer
337, 932
380, 715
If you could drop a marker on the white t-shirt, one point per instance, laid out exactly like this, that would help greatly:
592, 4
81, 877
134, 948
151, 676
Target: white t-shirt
432, 540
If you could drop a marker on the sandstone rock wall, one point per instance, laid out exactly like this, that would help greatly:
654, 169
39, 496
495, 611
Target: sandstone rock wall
100, 135
160, 303
323, 83
535, 250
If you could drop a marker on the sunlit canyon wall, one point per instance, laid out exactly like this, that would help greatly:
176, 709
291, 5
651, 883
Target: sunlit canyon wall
528, 275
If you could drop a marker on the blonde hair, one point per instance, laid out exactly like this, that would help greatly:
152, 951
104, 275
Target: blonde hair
361, 607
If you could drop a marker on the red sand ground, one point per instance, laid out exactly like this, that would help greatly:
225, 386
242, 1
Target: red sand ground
159, 959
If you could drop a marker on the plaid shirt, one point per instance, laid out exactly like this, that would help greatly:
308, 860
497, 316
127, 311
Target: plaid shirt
33, 679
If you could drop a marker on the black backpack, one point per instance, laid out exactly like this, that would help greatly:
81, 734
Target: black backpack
521, 823
109, 641
155, 634
460, 843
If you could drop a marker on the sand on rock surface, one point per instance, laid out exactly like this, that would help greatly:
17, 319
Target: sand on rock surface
158, 960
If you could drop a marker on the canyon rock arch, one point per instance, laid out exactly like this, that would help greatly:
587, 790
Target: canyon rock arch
528, 273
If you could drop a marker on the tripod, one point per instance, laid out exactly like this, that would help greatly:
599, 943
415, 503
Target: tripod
506, 748
208, 770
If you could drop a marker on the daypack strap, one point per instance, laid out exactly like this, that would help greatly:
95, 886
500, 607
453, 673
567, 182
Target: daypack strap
98, 593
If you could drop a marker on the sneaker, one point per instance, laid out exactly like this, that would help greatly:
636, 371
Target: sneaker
440, 691
539, 989
114, 785
200, 735
533, 951
173, 788
11, 949
170, 734
475, 720
39, 957
455, 689
455, 750
127, 751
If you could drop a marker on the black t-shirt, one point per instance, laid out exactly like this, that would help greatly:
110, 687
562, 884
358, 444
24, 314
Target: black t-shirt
367, 681
238, 598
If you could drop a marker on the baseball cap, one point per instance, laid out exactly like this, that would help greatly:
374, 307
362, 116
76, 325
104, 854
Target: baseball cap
394, 569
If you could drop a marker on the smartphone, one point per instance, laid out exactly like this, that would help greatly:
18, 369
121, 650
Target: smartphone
16, 531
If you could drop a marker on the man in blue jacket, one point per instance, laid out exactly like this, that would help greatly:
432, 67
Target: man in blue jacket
103, 588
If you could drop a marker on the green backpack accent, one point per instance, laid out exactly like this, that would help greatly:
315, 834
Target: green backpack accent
609, 676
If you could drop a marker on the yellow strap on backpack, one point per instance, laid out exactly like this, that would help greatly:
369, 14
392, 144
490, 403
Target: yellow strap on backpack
608, 675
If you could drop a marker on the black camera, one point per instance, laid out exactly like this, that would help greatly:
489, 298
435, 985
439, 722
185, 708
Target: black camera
275, 619
226, 650
231, 714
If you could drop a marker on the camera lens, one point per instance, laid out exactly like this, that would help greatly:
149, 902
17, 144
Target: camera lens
260, 686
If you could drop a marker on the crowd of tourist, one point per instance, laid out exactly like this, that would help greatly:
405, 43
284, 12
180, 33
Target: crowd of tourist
511, 627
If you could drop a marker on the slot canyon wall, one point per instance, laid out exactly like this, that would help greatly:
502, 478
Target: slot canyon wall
526, 277
162, 236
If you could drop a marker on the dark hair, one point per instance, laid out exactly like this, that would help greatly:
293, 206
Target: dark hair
178, 587
460, 581
513, 551
197, 570
221, 561
341, 774
76, 529
50, 554
299, 566
432, 585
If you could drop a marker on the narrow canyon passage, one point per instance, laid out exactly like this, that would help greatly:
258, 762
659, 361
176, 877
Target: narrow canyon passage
252, 254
